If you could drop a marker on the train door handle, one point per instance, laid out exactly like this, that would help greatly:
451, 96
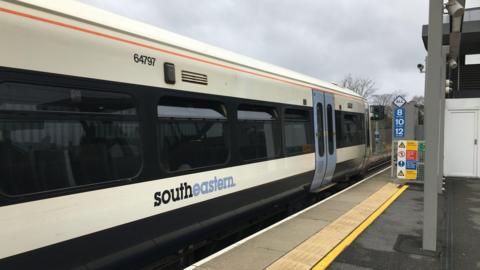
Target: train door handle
475, 142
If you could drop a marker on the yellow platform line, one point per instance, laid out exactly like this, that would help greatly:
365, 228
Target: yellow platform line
330, 257
309, 253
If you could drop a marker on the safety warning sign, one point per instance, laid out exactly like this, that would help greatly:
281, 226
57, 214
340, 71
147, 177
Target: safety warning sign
407, 154
411, 155
411, 175
411, 164
412, 148
401, 159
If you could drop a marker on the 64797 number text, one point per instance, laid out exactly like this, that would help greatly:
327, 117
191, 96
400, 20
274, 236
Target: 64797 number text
143, 59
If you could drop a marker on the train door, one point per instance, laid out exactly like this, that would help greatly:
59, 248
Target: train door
320, 140
331, 138
324, 129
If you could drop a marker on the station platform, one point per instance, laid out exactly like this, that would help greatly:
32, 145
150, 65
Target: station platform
319, 236
462, 234
374, 224
394, 240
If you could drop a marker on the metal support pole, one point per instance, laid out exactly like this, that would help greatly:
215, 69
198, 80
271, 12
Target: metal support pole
441, 119
432, 99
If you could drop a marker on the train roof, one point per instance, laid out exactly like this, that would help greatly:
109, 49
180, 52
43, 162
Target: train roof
84, 12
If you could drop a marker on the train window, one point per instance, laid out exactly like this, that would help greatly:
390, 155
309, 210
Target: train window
368, 128
294, 114
298, 139
350, 129
259, 132
320, 130
331, 146
338, 128
192, 133
37, 98
174, 111
247, 112
53, 138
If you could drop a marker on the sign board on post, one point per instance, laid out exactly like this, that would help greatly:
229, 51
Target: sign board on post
401, 159
407, 155
421, 147
399, 117
411, 165
399, 123
399, 101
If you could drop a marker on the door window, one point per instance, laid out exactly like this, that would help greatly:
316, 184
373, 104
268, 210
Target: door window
320, 130
331, 147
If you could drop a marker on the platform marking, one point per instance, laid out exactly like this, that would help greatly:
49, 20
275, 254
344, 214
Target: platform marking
309, 253
232, 246
332, 255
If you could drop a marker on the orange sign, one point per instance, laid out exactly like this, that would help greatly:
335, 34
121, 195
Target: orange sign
411, 155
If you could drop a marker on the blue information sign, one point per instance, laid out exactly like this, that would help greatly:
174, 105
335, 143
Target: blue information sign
399, 123
411, 164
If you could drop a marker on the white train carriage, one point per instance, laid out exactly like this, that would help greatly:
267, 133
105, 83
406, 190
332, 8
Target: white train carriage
118, 139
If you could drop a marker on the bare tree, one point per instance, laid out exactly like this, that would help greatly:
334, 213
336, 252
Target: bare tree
362, 86
382, 99
387, 98
420, 100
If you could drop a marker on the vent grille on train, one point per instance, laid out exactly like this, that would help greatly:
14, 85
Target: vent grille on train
193, 77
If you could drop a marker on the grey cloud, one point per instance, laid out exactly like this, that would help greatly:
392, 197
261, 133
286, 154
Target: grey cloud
325, 39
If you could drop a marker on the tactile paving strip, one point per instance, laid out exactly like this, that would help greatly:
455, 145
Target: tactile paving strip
310, 252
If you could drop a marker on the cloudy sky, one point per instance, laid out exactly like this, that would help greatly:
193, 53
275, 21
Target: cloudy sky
380, 40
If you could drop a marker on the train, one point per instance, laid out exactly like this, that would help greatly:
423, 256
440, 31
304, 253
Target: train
119, 140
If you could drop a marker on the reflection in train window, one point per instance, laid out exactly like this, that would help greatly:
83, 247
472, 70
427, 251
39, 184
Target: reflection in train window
298, 132
53, 138
350, 128
320, 130
331, 143
191, 133
259, 136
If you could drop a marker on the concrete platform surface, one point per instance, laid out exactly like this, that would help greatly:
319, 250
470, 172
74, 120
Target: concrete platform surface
463, 224
378, 246
392, 241
459, 233
269, 246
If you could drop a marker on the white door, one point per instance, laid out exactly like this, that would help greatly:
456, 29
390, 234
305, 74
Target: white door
461, 147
